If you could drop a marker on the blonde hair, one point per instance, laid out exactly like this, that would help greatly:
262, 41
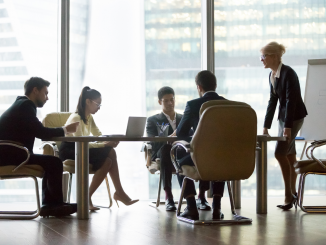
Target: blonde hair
273, 48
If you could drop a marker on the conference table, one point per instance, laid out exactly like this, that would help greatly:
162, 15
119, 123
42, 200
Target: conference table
261, 175
82, 170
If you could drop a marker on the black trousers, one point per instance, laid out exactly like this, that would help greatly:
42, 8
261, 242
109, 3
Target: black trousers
166, 166
52, 179
218, 187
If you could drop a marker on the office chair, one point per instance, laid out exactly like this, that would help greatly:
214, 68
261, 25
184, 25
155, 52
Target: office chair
58, 119
222, 149
154, 167
18, 172
310, 166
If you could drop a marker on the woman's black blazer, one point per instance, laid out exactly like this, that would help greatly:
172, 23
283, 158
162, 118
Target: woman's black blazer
287, 91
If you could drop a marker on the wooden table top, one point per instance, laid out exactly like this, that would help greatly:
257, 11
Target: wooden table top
143, 139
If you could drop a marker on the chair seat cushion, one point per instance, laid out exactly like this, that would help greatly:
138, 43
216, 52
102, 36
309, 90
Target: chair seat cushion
34, 170
305, 166
190, 171
155, 166
69, 166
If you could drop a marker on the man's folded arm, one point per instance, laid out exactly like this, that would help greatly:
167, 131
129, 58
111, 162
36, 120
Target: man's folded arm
151, 131
184, 127
151, 128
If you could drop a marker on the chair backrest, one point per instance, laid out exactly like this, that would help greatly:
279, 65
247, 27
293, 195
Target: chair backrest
224, 144
55, 120
219, 102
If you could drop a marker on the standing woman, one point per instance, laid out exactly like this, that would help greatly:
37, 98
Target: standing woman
285, 88
101, 155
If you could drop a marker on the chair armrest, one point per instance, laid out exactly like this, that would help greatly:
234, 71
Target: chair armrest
175, 146
317, 142
315, 145
19, 146
53, 145
11, 142
182, 143
146, 146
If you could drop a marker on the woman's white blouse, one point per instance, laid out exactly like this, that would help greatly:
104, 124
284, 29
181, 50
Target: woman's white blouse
85, 129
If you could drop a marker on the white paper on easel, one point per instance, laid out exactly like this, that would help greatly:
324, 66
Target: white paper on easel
314, 126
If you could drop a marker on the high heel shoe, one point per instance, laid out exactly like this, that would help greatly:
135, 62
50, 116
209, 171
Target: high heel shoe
295, 196
117, 198
290, 205
93, 208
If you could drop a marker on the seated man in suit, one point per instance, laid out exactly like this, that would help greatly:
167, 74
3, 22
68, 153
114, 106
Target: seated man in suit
20, 124
162, 150
166, 99
206, 86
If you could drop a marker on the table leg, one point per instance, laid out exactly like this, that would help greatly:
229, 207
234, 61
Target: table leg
261, 176
303, 150
82, 171
236, 190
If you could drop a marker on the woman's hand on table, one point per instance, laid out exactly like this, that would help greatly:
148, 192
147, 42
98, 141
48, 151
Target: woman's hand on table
265, 132
111, 143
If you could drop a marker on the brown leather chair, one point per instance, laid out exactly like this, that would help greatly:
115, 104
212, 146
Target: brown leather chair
222, 149
58, 119
310, 166
17, 172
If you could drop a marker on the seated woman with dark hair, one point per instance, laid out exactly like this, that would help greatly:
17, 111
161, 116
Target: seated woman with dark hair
101, 155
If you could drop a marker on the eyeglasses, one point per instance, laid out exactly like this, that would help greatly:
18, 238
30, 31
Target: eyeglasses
263, 57
98, 105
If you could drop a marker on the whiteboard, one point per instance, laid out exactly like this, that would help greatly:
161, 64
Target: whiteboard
314, 125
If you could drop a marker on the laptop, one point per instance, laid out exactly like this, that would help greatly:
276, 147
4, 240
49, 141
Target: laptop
135, 128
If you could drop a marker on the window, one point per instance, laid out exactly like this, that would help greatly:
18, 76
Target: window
241, 29
173, 58
107, 54
28, 47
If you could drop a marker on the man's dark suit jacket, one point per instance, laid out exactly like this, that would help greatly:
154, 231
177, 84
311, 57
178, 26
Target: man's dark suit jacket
19, 123
190, 119
152, 130
287, 90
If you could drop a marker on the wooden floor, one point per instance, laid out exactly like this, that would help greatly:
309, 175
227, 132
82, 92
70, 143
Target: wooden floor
142, 224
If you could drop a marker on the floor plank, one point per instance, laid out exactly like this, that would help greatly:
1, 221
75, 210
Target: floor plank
142, 224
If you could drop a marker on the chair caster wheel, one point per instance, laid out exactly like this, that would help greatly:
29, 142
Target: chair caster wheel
45, 216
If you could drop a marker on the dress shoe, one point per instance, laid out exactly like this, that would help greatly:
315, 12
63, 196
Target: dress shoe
202, 204
217, 214
126, 202
57, 210
169, 205
73, 206
190, 214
